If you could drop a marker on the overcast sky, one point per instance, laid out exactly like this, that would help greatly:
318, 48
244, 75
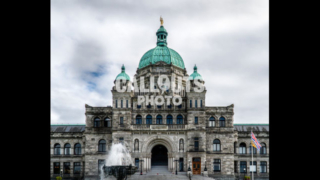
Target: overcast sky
228, 40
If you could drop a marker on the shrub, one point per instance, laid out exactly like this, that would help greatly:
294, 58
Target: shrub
58, 178
246, 177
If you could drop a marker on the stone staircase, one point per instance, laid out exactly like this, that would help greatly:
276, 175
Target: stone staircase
159, 170
162, 173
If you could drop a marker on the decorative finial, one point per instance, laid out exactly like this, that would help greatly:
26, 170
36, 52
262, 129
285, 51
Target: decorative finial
195, 68
123, 68
161, 20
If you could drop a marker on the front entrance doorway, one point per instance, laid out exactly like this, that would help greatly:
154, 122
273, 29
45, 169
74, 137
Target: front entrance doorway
159, 156
196, 165
181, 164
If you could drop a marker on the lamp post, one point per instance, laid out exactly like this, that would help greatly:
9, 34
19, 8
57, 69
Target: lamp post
189, 169
244, 171
141, 160
205, 165
176, 166
61, 172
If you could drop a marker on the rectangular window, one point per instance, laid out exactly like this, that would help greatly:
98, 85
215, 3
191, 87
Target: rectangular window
56, 168
76, 168
121, 140
121, 120
243, 166
121, 104
235, 167
201, 103
263, 166
254, 166
196, 103
127, 103
216, 147
196, 144
100, 165
242, 150
222, 123
190, 103
116, 103
66, 168
217, 165
136, 162
196, 120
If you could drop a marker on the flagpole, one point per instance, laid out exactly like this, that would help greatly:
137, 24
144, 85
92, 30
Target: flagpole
252, 155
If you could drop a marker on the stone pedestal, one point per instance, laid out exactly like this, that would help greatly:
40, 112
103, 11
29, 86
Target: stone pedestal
189, 173
205, 173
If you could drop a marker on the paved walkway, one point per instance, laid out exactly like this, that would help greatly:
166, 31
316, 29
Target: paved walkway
161, 173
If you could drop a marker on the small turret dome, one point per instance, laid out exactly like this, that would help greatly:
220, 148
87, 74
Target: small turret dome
195, 74
123, 74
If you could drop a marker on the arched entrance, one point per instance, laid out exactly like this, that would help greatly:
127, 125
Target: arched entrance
159, 156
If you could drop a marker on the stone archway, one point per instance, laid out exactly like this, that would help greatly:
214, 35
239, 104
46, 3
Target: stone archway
159, 156
152, 145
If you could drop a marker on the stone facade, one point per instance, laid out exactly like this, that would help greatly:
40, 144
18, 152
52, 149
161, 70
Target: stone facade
197, 137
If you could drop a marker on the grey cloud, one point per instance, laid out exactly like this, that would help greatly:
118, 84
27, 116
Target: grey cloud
228, 40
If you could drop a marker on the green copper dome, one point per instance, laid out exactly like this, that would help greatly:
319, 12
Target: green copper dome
161, 52
123, 74
195, 74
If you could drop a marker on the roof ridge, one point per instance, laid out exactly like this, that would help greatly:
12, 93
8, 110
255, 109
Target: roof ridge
249, 124
67, 124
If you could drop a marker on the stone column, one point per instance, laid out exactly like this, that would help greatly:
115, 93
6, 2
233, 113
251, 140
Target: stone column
71, 169
61, 167
258, 168
173, 165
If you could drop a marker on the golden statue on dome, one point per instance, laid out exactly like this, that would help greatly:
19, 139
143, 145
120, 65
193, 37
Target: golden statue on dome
161, 20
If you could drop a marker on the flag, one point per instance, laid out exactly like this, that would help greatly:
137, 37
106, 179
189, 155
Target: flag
254, 141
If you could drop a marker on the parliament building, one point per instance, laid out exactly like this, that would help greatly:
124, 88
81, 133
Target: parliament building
190, 135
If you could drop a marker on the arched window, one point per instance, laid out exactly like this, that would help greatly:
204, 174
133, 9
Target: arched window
67, 148
181, 145
77, 149
149, 119
222, 122
159, 119
254, 149
242, 148
96, 122
179, 119
57, 149
169, 119
138, 119
102, 146
136, 145
216, 145
107, 122
212, 122
263, 149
